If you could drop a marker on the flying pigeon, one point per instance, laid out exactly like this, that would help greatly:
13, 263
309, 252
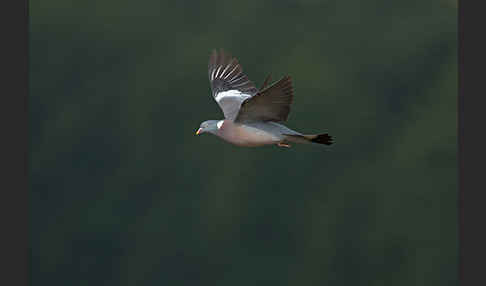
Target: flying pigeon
252, 115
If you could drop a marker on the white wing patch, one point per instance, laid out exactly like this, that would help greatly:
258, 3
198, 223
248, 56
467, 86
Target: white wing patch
230, 102
233, 94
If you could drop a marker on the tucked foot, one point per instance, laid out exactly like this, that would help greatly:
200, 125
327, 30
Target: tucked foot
281, 144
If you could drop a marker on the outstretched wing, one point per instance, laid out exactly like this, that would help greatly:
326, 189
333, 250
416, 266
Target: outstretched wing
229, 85
270, 104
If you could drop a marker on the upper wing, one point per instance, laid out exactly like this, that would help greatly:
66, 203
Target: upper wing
270, 104
229, 85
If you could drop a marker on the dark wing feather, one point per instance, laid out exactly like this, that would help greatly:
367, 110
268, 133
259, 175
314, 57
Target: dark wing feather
270, 104
265, 83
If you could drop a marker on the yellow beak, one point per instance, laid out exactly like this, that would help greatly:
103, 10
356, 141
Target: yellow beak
198, 131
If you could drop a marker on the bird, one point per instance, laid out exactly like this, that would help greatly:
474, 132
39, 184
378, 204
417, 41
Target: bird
252, 117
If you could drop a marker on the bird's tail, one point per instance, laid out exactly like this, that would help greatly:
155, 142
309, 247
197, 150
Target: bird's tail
323, 138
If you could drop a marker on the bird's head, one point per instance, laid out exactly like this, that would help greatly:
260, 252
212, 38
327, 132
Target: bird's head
210, 126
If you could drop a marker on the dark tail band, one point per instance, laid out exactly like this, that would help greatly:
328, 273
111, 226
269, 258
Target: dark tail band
322, 139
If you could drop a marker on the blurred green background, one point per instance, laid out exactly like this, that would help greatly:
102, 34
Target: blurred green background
123, 193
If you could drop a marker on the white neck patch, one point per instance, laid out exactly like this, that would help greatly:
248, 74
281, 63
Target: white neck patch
219, 124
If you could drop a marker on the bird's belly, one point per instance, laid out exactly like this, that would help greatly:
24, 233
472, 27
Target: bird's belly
250, 137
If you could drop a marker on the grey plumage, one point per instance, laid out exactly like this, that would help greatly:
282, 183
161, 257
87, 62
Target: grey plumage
252, 116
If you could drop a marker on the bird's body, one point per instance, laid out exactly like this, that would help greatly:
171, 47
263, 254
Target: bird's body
252, 116
253, 134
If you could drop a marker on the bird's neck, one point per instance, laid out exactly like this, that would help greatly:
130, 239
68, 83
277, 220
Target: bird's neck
223, 127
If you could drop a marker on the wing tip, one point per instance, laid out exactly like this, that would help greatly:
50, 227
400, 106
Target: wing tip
223, 67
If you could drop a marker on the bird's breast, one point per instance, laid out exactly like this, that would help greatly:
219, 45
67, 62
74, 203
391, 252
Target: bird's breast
244, 135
